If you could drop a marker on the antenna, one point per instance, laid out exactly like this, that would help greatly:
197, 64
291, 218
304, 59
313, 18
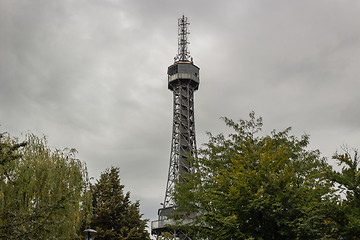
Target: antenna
183, 53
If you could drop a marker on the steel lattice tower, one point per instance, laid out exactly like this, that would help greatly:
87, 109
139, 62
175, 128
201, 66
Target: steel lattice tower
183, 81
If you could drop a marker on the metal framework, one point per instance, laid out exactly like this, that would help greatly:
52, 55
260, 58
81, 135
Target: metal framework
183, 143
183, 81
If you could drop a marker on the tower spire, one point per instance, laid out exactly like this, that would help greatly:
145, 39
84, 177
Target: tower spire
183, 32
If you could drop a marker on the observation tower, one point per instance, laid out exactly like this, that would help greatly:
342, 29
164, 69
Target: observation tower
183, 81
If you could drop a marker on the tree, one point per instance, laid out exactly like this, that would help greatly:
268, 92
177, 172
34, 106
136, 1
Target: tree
43, 192
348, 180
8, 151
247, 186
115, 216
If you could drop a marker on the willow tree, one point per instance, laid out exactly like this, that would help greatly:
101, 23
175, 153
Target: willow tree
43, 192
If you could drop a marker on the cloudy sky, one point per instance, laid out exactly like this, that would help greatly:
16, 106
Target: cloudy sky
91, 74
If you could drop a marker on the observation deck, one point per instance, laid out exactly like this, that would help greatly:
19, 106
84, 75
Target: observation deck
183, 70
165, 224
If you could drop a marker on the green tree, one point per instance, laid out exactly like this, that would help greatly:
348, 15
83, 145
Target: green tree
166, 236
43, 192
247, 186
115, 216
348, 180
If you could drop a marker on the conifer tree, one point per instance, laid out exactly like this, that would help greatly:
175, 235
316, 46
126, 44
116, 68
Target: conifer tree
115, 216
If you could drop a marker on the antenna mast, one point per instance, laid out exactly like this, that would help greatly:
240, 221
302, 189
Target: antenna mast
183, 53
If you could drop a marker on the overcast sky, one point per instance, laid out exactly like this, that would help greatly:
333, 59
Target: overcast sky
91, 75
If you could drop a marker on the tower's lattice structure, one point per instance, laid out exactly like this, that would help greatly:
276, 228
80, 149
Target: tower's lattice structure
183, 81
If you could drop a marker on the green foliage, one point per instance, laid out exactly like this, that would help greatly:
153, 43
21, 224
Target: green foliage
115, 216
166, 236
247, 186
43, 192
348, 180
9, 150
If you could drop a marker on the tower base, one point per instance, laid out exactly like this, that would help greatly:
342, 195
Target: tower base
167, 228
